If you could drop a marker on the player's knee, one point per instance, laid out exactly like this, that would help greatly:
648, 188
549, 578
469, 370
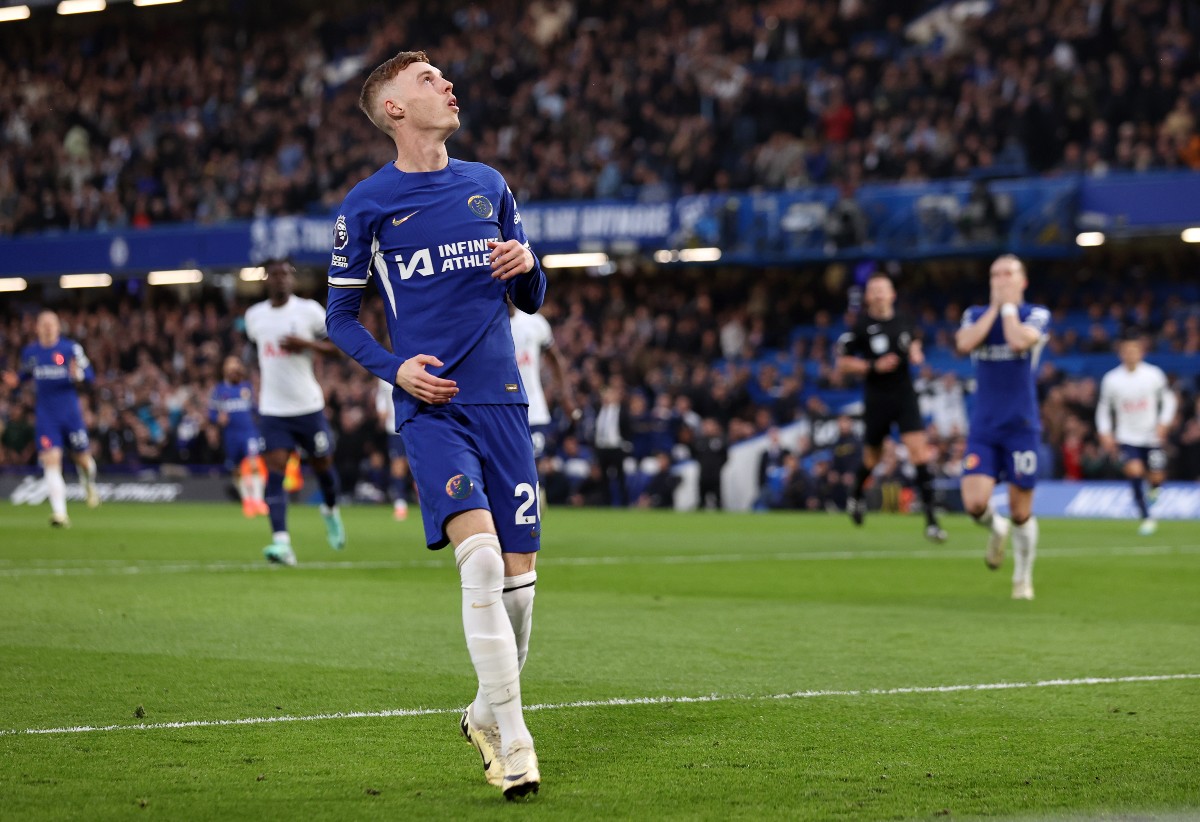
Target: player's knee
1020, 518
479, 561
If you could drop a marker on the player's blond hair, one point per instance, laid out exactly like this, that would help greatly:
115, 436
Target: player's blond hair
368, 99
1012, 258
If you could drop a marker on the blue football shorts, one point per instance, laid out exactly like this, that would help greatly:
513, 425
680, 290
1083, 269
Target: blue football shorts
61, 427
1011, 457
309, 432
241, 444
465, 457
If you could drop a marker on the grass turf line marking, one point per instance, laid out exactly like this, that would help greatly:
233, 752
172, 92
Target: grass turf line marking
616, 702
86, 567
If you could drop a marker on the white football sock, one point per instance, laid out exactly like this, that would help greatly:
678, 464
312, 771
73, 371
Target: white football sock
518, 602
256, 486
490, 638
1024, 540
88, 474
56, 489
985, 519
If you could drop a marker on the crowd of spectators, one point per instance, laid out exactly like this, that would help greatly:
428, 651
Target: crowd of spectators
137, 119
694, 365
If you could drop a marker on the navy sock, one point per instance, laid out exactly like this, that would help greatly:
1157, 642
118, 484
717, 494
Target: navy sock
328, 481
1139, 496
925, 488
860, 480
276, 499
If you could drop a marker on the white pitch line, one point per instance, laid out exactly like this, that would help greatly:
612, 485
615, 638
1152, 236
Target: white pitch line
63, 568
617, 702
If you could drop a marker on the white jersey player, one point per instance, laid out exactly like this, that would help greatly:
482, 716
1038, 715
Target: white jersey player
1137, 394
289, 331
532, 339
399, 478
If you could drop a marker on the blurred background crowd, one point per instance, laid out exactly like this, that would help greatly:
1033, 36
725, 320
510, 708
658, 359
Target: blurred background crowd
159, 120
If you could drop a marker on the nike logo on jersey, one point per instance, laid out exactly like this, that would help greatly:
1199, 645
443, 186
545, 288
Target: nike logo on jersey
405, 219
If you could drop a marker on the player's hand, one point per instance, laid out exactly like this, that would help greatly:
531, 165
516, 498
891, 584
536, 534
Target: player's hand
222, 418
887, 363
509, 259
1009, 293
1108, 443
294, 345
413, 378
1162, 431
76, 371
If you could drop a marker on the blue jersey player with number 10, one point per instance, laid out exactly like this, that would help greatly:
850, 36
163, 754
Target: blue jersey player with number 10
444, 242
1005, 339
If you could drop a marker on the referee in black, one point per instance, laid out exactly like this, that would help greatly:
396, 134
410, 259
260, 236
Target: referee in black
880, 348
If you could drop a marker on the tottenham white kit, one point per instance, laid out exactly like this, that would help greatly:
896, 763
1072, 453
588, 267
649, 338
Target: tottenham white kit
532, 335
1140, 399
289, 387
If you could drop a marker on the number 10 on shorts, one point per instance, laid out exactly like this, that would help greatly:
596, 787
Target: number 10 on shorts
1024, 463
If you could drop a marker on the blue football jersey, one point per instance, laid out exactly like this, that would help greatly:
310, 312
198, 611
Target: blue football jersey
1006, 382
50, 369
237, 401
423, 238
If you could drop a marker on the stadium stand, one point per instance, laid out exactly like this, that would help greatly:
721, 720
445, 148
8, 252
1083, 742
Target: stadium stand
189, 116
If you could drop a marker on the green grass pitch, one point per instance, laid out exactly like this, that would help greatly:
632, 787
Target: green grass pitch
794, 629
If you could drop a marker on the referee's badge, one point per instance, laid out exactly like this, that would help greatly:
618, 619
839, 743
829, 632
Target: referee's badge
480, 206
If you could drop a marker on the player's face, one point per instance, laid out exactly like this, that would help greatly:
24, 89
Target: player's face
281, 281
427, 98
48, 328
1130, 352
880, 295
232, 370
1008, 281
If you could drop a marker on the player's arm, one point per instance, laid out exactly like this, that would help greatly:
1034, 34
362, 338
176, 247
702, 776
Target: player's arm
295, 345
24, 372
1168, 405
916, 352
514, 261
1022, 335
82, 369
1104, 416
349, 272
558, 368
974, 330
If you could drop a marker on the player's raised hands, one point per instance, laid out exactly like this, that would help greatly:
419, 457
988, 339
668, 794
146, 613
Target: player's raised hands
413, 378
509, 258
